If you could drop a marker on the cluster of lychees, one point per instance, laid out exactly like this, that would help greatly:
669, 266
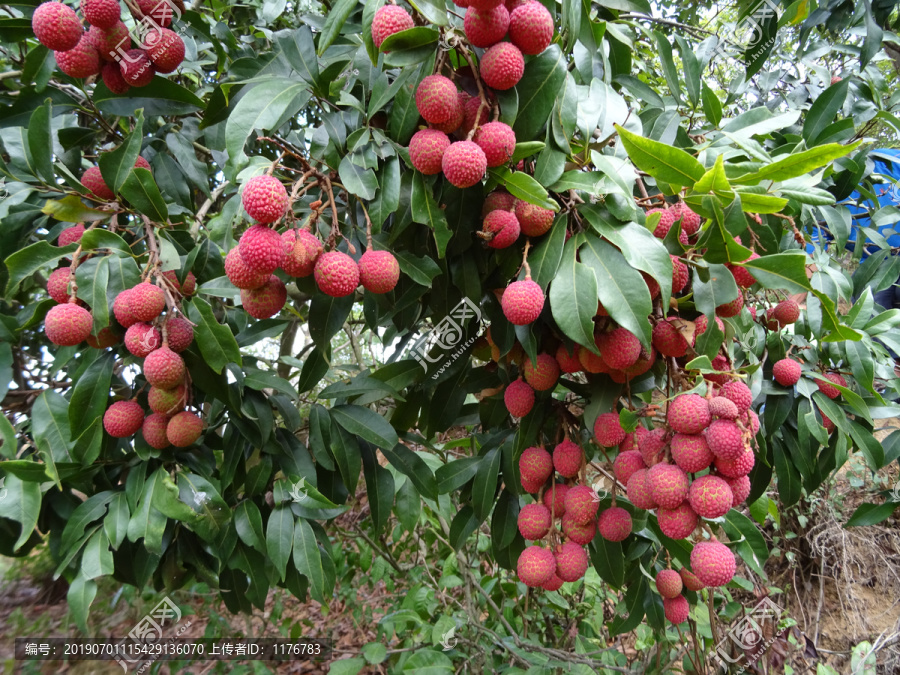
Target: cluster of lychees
298, 252
105, 48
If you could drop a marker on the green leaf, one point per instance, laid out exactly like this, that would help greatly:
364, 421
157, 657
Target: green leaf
663, 162
308, 559
358, 180
70, 209
608, 559
347, 456
788, 478
116, 522
664, 51
96, 557
161, 97
823, 110
871, 514
379, 487
147, 522
93, 284
410, 40
713, 286
90, 394
25, 262
420, 269
334, 21
213, 513
142, 192
538, 89
99, 239
21, 503
366, 424
216, 341
712, 106
413, 467
573, 298
425, 211
299, 49
755, 201
521, 185
79, 598
280, 537
527, 149
798, 164
249, 528
434, 11
485, 486
39, 151
464, 523
327, 316
408, 505
504, 525
455, 474
116, 165
753, 549
50, 428
547, 255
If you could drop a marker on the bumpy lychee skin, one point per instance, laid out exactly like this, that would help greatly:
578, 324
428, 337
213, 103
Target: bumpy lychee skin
101, 13
568, 458
786, 372
732, 308
112, 78
614, 524
581, 534
652, 446
141, 338
498, 141
475, 111
691, 452
240, 274
56, 26
426, 150
676, 609
721, 364
388, 20
71, 235
502, 66
719, 406
166, 50
725, 439
68, 324
535, 220
669, 484
829, 390
581, 504
122, 309
638, 490
534, 521
267, 300
531, 28
123, 419
167, 401
379, 271
184, 429
690, 580
190, 281
710, 497
435, 98
786, 312
555, 499
58, 284
571, 561
519, 398
688, 414
740, 489
536, 566
337, 274
701, 323
668, 340
535, 465
161, 12
164, 368
633, 440
265, 199
626, 464
680, 276
554, 584
668, 583
690, 220
608, 429
486, 27
737, 467
826, 421
301, 250
92, 179
107, 42
677, 523
146, 301
542, 375
713, 563
522, 302
464, 164
666, 219
620, 348
498, 199
742, 277
179, 333
154, 430
568, 361
261, 249
503, 228
137, 69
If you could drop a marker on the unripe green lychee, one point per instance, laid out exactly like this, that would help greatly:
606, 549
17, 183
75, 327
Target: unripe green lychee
184, 429
534, 521
502, 66
154, 430
68, 324
464, 164
389, 19
267, 300
522, 302
426, 150
337, 274
261, 249
379, 271
123, 419
668, 583
614, 524
265, 199
519, 398
56, 26
164, 368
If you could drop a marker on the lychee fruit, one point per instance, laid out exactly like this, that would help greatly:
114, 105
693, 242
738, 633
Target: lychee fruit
56, 26
786, 372
141, 338
122, 309
742, 277
68, 324
146, 301
240, 274
164, 368
554, 584
485, 27
426, 150
267, 300
620, 348
502, 227
457, 117
633, 440
123, 419
534, 521
677, 523
737, 467
688, 414
668, 583
161, 12
498, 199
535, 465
166, 50
739, 393
154, 430
92, 179
826, 421
732, 308
542, 375
498, 141
571, 561
389, 19
474, 110
581, 504
101, 13
535, 220
179, 333
676, 609
265, 200
666, 220
108, 42
719, 406
568, 361
531, 28
668, 340
519, 398
720, 364
690, 220
710, 497
608, 430
190, 281
669, 484
184, 429
590, 362
626, 464
536, 566
568, 458
301, 250
614, 524
638, 490
680, 275
379, 271
740, 489
436, 99
464, 164
261, 249
555, 499
691, 452
522, 302
652, 446
829, 390
70, 235
337, 274
58, 284
690, 580
713, 563
578, 533
167, 401
137, 69
502, 66
701, 323
786, 312
725, 439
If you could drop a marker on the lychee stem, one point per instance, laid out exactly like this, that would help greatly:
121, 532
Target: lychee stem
368, 225
525, 260
481, 93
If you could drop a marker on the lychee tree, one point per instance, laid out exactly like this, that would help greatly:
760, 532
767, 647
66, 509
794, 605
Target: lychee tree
248, 263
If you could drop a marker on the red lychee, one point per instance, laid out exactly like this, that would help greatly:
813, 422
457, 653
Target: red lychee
578, 533
571, 561
267, 300
522, 302
620, 348
436, 98
535, 220
742, 277
536, 566
669, 484
710, 497
137, 69
786, 312
167, 401
740, 489
543, 374
531, 28
146, 301
668, 340
184, 429
829, 390
725, 439
458, 115
92, 179
265, 199
141, 338
519, 398
71, 235
123, 419
666, 218
786, 372
301, 250
161, 11
164, 368
626, 464
101, 13
108, 42
534, 521
240, 274
677, 523
261, 249
464, 164
719, 406
426, 150
535, 465
122, 309
502, 66
680, 275
688, 414
614, 524
713, 563
179, 333
498, 199
568, 458
691, 452
700, 325
732, 308
58, 284
337, 274
652, 446
691, 582
379, 271
166, 50
389, 19
498, 141
568, 361
737, 467
502, 227
676, 609
690, 221
668, 583
555, 499
555, 582
633, 440
581, 504
154, 430
56, 26
68, 324
485, 27
638, 490
608, 429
